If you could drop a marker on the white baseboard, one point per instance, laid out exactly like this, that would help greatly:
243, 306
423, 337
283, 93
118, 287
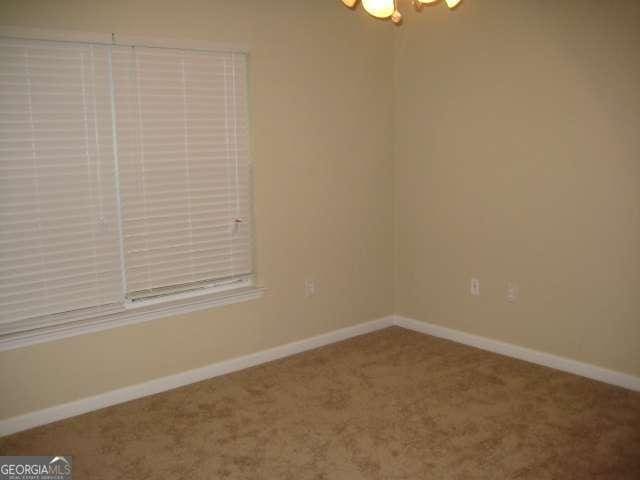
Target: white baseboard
534, 356
84, 405
114, 397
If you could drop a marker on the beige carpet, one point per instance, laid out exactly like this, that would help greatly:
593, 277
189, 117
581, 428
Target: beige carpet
389, 405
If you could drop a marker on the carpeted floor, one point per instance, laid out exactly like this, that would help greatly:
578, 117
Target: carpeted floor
393, 404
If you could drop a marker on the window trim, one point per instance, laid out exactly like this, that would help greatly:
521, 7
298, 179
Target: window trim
96, 319
130, 314
118, 39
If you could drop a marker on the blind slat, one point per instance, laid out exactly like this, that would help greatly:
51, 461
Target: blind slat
45, 270
119, 164
186, 177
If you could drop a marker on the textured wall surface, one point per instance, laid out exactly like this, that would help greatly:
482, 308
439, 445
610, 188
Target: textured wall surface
321, 111
518, 159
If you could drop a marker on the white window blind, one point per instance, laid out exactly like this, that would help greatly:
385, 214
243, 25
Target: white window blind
124, 174
58, 217
184, 167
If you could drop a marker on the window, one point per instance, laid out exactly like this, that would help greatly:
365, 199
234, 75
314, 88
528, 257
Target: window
125, 179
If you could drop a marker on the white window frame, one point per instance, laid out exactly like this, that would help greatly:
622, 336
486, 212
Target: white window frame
67, 324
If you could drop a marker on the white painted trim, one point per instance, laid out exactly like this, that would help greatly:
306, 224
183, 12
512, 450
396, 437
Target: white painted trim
84, 405
179, 44
26, 33
129, 315
534, 356
114, 397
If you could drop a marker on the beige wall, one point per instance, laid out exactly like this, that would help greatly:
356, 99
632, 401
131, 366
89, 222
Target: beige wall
518, 158
321, 87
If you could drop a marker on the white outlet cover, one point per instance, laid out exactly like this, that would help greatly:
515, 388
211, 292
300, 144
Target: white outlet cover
475, 287
309, 287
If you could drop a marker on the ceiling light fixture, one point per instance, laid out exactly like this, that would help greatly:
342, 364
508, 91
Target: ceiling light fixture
452, 3
388, 8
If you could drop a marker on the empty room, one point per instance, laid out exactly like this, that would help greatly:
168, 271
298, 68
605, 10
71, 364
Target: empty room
320, 239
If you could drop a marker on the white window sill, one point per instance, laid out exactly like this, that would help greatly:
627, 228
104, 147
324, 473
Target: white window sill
131, 313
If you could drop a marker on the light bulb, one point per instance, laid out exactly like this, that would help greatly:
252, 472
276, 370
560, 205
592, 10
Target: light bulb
379, 8
396, 17
453, 3
349, 3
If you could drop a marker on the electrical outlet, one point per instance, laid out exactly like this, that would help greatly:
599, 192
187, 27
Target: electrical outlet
309, 287
475, 287
512, 292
